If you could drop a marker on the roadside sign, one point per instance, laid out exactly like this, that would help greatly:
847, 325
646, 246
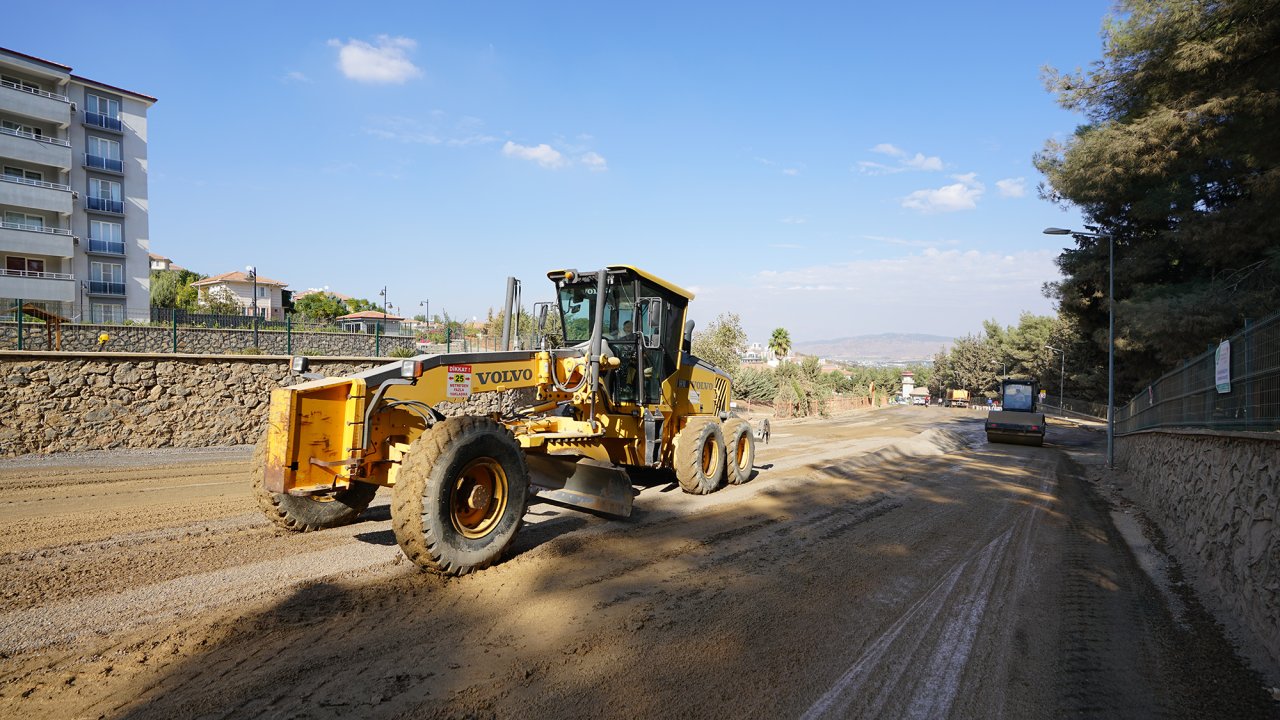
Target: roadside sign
1222, 366
459, 382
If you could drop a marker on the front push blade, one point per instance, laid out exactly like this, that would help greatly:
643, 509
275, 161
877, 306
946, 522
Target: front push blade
585, 483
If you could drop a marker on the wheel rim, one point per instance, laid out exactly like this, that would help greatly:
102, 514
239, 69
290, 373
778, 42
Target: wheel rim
709, 456
478, 498
744, 444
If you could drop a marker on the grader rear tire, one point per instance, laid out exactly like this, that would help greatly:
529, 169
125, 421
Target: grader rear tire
460, 495
700, 457
740, 447
305, 514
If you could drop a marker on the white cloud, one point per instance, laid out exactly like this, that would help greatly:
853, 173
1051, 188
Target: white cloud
791, 171
595, 161
794, 220
1012, 187
962, 195
544, 154
937, 291
385, 63
436, 131
295, 76
906, 161
920, 162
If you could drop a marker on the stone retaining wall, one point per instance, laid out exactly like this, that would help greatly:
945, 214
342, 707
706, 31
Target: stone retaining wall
55, 402
1217, 499
160, 339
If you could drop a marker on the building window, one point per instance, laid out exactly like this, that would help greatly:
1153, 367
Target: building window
262, 291
20, 84
22, 173
104, 154
106, 278
102, 313
30, 130
106, 237
105, 195
23, 220
24, 266
103, 112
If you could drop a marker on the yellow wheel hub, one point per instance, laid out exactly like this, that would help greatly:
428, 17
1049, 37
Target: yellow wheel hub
478, 498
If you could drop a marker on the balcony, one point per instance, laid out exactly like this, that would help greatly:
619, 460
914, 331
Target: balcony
35, 194
26, 285
104, 205
94, 162
36, 104
106, 247
102, 287
35, 149
103, 122
25, 239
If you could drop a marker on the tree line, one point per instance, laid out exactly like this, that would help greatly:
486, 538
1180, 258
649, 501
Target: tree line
1178, 163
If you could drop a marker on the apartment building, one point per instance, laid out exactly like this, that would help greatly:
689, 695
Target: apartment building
73, 193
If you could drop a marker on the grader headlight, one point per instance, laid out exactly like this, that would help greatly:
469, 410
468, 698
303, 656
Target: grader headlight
410, 369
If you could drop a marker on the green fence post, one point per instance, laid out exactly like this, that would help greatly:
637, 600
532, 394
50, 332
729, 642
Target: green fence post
288, 334
448, 339
377, 340
20, 323
173, 322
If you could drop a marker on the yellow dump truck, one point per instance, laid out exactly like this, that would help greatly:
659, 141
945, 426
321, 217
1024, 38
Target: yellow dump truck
617, 388
957, 398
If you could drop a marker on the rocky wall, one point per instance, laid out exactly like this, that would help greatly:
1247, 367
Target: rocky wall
55, 402
161, 339
1217, 500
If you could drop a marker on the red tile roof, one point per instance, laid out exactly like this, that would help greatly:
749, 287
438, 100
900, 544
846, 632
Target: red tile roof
237, 276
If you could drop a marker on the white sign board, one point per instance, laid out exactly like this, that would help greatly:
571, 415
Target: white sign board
1222, 367
459, 382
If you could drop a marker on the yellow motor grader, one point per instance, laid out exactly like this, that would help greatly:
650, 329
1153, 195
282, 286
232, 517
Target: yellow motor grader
621, 390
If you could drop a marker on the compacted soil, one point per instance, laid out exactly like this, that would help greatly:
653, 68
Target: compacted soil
880, 564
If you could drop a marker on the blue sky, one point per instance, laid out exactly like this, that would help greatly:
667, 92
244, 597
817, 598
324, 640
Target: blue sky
833, 168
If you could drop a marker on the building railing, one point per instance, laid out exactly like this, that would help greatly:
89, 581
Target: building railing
102, 163
100, 287
36, 183
33, 136
102, 121
105, 204
1190, 396
34, 91
38, 275
114, 247
34, 228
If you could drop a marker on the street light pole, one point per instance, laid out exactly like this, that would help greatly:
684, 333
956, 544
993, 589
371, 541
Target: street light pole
253, 275
1111, 332
1062, 379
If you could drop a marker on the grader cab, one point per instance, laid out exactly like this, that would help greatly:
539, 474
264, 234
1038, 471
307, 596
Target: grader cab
466, 440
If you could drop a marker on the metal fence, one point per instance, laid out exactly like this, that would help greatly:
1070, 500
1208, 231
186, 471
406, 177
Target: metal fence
1199, 394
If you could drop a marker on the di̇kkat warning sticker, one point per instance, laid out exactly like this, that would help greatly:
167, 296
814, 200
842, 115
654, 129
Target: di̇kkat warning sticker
459, 382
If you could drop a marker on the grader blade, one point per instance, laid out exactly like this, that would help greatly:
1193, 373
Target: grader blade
588, 484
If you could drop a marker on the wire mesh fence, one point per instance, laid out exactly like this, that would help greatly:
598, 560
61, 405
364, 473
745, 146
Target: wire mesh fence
1235, 386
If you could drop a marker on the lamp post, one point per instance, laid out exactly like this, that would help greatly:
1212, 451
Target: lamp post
1062, 379
1111, 331
427, 304
253, 275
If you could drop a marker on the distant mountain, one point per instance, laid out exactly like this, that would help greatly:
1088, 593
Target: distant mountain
878, 349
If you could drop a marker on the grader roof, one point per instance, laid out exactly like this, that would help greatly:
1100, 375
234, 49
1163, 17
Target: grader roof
555, 274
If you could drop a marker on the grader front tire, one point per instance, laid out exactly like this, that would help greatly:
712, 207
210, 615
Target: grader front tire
305, 514
460, 495
700, 457
740, 445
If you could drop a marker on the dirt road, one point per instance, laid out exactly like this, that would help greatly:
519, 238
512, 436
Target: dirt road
883, 564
